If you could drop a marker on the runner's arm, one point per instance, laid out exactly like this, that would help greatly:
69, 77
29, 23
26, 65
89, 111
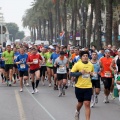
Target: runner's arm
112, 66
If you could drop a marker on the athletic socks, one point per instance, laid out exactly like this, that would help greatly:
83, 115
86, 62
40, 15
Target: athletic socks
37, 83
33, 85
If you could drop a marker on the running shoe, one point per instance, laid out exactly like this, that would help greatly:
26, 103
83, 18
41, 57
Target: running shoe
112, 96
96, 99
36, 90
60, 94
27, 84
63, 91
21, 90
50, 85
77, 115
33, 92
106, 100
9, 83
92, 104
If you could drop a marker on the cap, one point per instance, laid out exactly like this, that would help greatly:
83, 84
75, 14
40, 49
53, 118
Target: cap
8, 43
46, 47
51, 47
106, 51
62, 52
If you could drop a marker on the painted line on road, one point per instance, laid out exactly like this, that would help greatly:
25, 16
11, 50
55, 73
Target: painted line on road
20, 106
41, 105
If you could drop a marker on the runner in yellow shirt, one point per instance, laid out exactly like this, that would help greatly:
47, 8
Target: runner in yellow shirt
83, 70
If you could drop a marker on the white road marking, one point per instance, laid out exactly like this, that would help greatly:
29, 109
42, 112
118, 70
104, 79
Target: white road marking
41, 105
20, 106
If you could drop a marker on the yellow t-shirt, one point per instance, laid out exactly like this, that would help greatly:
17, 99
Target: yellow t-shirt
84, 81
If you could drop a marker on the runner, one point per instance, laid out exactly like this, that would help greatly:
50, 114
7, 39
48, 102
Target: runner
8, 57
83, 69
15, 70
53, 57
2, 66
33, 61
95, 79
43, 65
61, 63
49, 64
115, 67
22, 67
106, 74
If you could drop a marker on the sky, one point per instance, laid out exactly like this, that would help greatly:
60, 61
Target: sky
13, 10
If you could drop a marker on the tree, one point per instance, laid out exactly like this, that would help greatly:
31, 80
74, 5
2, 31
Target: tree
20, 35
13, 29
109, 20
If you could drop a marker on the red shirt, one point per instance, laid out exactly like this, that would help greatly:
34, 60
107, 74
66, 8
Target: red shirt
36, 59
106, 72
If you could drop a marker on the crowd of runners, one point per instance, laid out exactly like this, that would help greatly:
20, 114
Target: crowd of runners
63, 66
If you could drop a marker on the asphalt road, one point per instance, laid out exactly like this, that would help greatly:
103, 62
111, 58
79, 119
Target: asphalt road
46, 105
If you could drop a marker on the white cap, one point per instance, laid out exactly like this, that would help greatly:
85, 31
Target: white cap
8, 42
51, 47
30, 46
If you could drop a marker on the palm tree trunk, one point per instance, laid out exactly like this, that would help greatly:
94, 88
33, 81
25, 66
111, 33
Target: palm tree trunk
59, 17
44, 29
65, 22
89, 30
115, 29
98, 23
34, 32
51, 26
72, 25
109, 16
40, 34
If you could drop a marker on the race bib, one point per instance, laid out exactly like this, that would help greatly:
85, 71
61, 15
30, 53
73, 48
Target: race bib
107, 74
35, 61
86, 76
95, 75
61, 68
22, 66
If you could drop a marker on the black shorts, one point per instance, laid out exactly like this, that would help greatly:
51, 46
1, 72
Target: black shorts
23, 73
15, 66
50, 67
2, 67
95, 83
61, 76
42, 71
33, 71
8, 67
83, 94
107, 82
55, 70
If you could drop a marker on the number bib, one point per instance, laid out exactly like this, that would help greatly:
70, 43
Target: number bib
95, 75
107, 74
61, 68
35, 61
86, 76
22, 66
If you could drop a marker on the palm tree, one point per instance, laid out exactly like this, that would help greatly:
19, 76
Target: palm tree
109, 18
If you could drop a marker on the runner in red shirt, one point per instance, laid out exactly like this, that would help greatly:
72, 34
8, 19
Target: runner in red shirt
106, 74
33, 61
